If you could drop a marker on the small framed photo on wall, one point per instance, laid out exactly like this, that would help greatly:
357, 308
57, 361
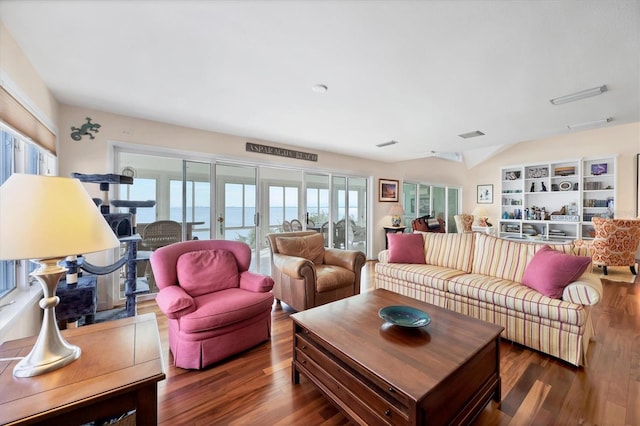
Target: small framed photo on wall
485, 194
388, 190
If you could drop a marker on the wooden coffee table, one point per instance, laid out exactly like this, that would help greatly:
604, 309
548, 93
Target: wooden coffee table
377, 373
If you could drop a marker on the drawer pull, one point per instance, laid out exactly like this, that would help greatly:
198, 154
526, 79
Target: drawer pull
304, 347
304, 362
387, 413
392, 390
306, 332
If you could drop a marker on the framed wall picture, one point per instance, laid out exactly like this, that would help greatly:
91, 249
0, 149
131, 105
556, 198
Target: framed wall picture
485, 194
388, 190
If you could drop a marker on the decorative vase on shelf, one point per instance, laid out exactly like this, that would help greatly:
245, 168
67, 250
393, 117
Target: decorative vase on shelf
395, 221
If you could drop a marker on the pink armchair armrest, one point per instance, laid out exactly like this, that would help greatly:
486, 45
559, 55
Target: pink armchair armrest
175, 302
256, 283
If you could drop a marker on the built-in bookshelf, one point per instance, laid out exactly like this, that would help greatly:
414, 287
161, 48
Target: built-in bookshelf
555, 201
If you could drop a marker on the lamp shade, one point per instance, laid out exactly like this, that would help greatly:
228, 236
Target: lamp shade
44, 217
396, 210
479, 212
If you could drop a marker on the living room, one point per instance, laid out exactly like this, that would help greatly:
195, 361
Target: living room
139, 130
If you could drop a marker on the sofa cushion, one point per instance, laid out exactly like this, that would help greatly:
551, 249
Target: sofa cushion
453, 251
405, 248
205, 271
331, 277
550, 271
516, 297
309, 247
501, 258
431, 276
224, 308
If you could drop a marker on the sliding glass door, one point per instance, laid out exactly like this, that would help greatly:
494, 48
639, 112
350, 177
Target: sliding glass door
437, 201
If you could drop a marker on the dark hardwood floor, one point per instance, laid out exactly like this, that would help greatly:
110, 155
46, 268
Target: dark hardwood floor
255, 388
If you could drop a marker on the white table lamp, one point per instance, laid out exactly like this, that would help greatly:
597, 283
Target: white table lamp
480, 216
45, 219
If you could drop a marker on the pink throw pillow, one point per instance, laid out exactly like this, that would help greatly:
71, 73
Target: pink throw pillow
406, 248
550, 271
205, 271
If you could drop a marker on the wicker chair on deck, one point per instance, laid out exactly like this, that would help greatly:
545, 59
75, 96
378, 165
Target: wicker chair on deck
155, 235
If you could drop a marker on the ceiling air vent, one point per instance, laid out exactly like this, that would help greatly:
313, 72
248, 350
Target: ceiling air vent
473, 134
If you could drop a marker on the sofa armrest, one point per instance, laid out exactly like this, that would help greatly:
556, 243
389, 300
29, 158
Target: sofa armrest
383, 256
587, 290
292, 266
257, 283
174, 302
348, 259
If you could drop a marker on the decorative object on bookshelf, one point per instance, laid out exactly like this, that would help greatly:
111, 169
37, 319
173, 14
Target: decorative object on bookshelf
537, 172
565, 186
512, 175
599, 169
565, 171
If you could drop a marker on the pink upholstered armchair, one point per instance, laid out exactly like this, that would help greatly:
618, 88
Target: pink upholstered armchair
215, 306
615, 243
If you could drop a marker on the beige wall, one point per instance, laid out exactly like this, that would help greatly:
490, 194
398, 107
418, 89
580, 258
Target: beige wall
94, 156
16, 70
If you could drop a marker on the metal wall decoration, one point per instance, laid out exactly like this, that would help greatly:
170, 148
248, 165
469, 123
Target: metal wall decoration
87, 129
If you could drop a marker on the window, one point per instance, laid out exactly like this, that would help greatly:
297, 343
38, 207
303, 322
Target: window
141, 189
239, 201
18, 155
434, 200
283, 204
318, 205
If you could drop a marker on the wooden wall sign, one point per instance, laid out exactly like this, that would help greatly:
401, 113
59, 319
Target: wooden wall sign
281, 152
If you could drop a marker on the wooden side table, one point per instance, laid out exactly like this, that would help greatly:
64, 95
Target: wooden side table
118, 371
392, 230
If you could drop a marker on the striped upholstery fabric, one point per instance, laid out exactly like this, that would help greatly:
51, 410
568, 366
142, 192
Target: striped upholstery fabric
449, 250
569, 343
426, 275
567, 248
478, 275
500, 258
411, 289
515, 296
586, 291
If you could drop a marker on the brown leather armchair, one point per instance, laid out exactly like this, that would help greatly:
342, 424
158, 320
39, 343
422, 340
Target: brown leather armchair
306, 274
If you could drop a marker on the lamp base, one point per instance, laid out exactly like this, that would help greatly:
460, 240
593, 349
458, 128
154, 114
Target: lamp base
29, 367
395, 221
51, 351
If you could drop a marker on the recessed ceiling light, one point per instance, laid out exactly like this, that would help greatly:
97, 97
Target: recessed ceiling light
320, 88
473, 134
594, 91
383, 144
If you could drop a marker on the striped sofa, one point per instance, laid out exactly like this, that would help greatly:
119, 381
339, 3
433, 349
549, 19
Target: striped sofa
479, 275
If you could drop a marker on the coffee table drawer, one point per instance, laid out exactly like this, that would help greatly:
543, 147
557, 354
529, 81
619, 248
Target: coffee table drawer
353, 397
309, 340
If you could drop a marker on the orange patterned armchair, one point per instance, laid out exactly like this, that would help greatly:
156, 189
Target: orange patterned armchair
615, 243
464, 222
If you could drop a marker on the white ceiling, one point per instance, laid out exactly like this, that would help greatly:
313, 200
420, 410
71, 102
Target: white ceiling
418, 72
